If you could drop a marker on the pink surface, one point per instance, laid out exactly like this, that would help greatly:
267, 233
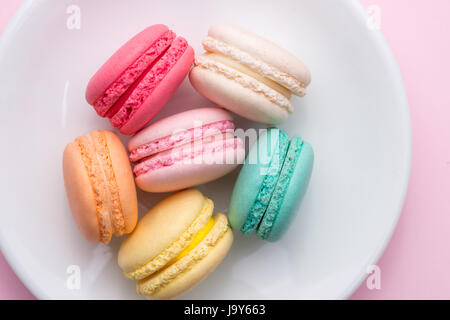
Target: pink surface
416, 262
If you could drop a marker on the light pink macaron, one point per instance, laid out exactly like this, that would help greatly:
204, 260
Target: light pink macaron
139, 78
185, 150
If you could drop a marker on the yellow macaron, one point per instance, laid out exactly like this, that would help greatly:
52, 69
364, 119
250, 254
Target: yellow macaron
175, 245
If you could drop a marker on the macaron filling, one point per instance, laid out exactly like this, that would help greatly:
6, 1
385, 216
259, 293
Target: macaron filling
116, 215
129, 76
263, 198
210, 63
97, 160
177, 247
276, 201
180, 138
246, 70
286, 80
197, 239
220, 150
126, 108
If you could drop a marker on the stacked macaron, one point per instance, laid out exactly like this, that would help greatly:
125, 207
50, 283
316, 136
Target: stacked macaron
179, 241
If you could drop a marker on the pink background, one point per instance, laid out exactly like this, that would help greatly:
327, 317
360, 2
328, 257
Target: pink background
416, 263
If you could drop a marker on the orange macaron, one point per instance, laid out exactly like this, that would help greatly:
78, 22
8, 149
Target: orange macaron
100, 186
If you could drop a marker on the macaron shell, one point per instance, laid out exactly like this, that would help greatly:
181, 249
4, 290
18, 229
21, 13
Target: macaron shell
176, 123
79, 193
185, 174
161, 94
251, 177
121, 59
233, 96
294, 194
124, 179
192, 269
262, 49
160, 227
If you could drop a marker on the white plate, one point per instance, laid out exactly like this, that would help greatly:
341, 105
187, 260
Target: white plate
355, 115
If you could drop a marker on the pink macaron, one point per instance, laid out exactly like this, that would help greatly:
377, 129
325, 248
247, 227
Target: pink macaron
139, 78
186, 149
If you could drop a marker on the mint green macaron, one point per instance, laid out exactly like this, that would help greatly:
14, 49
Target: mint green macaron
271, 185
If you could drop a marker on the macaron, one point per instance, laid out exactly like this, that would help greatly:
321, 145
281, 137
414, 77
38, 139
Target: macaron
271, 185
99, 186
186, 149
175, 245
248, 75
138, 79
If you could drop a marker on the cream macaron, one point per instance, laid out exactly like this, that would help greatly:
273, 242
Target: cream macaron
175, 245
248, 75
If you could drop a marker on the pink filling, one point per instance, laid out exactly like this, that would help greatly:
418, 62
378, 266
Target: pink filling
151, 80
180, 138
132, 73
189, 154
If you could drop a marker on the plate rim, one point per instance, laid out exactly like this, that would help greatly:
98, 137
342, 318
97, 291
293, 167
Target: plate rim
354, 8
